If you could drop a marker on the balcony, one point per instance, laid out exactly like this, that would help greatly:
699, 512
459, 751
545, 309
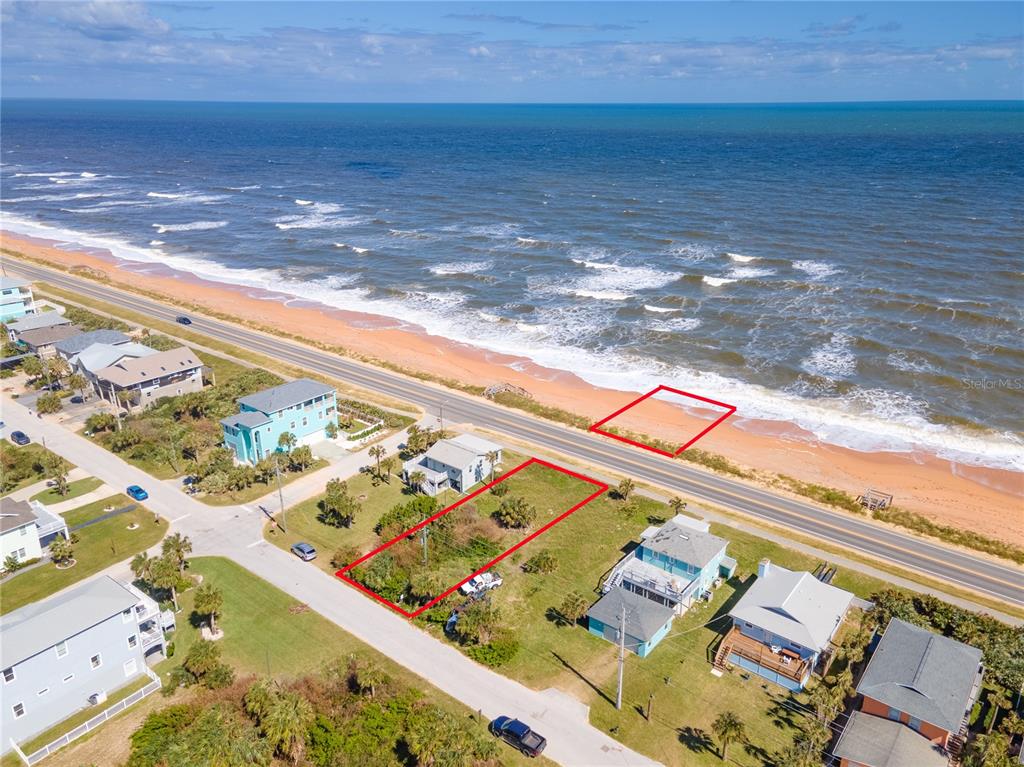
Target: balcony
151, 636
643, 576
783, 662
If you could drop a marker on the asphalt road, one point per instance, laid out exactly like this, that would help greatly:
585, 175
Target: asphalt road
948, 565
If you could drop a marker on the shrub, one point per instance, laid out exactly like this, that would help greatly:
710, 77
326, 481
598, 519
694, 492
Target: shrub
500, 490
344, 556
542, 562
49, 403
496, 653
101, 422
516, 512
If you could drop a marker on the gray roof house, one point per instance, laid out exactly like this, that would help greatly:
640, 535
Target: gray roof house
647, 622
286, 395
97, 356
34, 322
41, 341
69, 347
83, 643
926, 676
872, 741
457, 463
26, 528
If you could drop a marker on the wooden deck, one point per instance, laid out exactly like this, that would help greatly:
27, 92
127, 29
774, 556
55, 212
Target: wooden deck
751, 649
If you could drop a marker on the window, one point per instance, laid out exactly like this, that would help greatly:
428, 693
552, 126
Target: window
305, 421
24, 530
20, 553
133, 641
43, 692
130, 667
96, 661
126, 616
19, 710
8, 675
293, 424
894, 714
68, 678
61, 648
915, 724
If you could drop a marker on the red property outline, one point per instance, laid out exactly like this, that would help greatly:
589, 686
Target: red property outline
729, 408
602, 487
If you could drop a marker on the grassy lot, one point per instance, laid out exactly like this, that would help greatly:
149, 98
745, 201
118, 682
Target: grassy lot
75, 489
258, 489
98, 547
22, 466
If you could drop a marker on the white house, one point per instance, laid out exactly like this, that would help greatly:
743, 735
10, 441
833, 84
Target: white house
457, 463
26, 528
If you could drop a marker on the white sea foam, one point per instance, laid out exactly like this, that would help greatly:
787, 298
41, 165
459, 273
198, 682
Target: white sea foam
194, 226
243, 188
167, 195
464, 267
353, 248
303, 202
818, 270
601, 295
43, 175
834, 360
691, 253
749, 272
60, 197
88, 175
658, 309
675, 324
321, 216
409, 234
528, 242
593, 264
156, 243
717, 282
741, 259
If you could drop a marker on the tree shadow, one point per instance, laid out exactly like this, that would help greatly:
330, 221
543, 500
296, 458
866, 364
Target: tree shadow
783, 712
760, 755
582, 678
696, 740
554, 616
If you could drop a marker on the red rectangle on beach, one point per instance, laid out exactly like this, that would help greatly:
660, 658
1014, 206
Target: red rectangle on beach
601, 487
729, 410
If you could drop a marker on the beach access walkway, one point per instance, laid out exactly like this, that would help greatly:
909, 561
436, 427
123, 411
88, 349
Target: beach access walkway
236, 532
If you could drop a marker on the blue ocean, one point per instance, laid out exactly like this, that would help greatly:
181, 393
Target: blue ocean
854, 269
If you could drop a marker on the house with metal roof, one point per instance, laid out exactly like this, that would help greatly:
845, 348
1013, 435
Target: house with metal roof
69, 347
302, 407
61, 654
41, 341
924, 681
870, 741
137, 382
34, 322
16, 298
782, 625
457, 463
26, 528
97, 356
644, 622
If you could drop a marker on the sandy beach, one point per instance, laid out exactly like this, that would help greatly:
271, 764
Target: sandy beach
985, 500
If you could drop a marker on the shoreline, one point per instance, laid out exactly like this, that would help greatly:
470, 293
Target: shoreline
981, 499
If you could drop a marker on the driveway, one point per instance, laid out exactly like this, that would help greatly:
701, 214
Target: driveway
236, 532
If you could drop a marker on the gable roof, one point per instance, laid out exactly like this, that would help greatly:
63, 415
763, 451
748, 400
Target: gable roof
686, 540
794, 605
478, 445
644, 617
927, 675
246, 419
41, 320
452, 454
129, 372
6, 283
45, 336
877, 742
38, 626
286, 395
83, 341
15, 514
98, 356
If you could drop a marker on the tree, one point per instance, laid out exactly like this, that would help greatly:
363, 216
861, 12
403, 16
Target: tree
388, 465
369, 676
49, 403
516, 512
677, 504
990, 750
999, 700
826, 701
416, 480
286, 722
203, 664
807, 746
728, 728
141, 564
542, 562
338, 508
61, 550
287, 441
492, 459
58, 368
101, 422
57, 470
573, 607
77, 382
124, 439
377, 452
625, 488
331, 430
177, 547
479, 622
125, 398
301, 458
164, 574
33, 367
209, 601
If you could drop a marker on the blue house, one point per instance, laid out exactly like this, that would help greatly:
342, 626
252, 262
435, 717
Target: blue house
782, 625
674, 565
302, 407
16, 298
646, 622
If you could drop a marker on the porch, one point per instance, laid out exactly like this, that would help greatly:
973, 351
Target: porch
783, 666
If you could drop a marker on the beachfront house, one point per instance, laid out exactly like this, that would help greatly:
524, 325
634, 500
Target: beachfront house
41, 341
457, 463
34, 322
302, 407
674, 564
26, 528
923, 686
71, 347
871, 741
645, 622
137, 382
97, 356
70, 651
16, 298
782, 625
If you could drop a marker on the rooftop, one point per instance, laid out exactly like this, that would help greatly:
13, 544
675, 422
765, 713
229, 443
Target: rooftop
35, 321
286, 395
479, 445
44, 336
6, 283
130, 372
452, 454
15, 514
794, 605
81, 342
877, 742
247, 419
100, 355
686, 540
644, 618
927, 675
36, 627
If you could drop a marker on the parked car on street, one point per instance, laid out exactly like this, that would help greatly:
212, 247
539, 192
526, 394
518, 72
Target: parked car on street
137, 493
183, 320
480, 583
518, 735
304, 551
77, 400
19, 438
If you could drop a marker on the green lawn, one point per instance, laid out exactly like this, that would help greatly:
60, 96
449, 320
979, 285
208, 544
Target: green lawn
22, 465
98, 547
75, 489
259, 489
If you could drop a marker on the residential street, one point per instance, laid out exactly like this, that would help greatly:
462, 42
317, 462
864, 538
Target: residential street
236, 532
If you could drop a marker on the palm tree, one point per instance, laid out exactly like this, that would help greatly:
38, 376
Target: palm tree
377, 452
625, 488
125, 397
177, 547
58, 368
141, 564
997, 698
61, 550
388, 464
370, 676
287, 441
163, 573
209, 601
677, 505
573, 607
416, 480
492, 458
33, 367
77, 382
728, 728
286, 722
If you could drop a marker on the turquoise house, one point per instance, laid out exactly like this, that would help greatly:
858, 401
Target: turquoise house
15, 298
646, 623
302, 407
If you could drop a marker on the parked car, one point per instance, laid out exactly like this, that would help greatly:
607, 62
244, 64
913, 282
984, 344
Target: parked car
77, 399
19, 438
183, 320
480, 583
304, 551
518, 735
137, 493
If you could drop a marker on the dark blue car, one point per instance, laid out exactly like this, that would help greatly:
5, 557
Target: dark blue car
19, 438
137, 493
518, 735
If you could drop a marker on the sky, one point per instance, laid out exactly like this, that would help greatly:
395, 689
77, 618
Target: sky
512, 52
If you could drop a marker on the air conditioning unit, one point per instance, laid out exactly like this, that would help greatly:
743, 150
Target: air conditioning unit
97, 697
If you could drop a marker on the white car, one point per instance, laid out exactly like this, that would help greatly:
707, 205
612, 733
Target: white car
481, 583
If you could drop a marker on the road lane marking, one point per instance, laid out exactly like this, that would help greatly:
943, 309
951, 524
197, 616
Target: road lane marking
183, 516
256, 543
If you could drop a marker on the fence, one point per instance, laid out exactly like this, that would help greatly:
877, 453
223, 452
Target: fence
37, 756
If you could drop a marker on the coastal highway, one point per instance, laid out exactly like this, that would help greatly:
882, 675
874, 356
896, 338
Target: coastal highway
949, 565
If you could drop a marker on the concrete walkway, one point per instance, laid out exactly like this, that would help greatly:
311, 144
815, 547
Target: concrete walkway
236, 532
25, 493
100, 493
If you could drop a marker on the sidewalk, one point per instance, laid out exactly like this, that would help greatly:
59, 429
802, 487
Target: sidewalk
24, 493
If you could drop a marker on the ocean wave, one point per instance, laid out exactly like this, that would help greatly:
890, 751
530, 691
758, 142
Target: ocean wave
691, 253
59, 197
749, 272
834, 360
243, 188
353, 248
303, 202
717, 282
44, 174
156, 243
464, 267
675, 325
742, 259
194, 226
531, 242
659, 309
600, 295
818, 270
593, 264
409, 234
321, 216
188, 197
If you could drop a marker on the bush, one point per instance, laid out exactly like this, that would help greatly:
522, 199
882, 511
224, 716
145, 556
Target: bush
542, 562
344, 556
101, 422
500, 490
496, 653
49, 403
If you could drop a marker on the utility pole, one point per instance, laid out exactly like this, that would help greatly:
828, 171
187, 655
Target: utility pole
441, 417
423, 537
280, 493
622, 655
